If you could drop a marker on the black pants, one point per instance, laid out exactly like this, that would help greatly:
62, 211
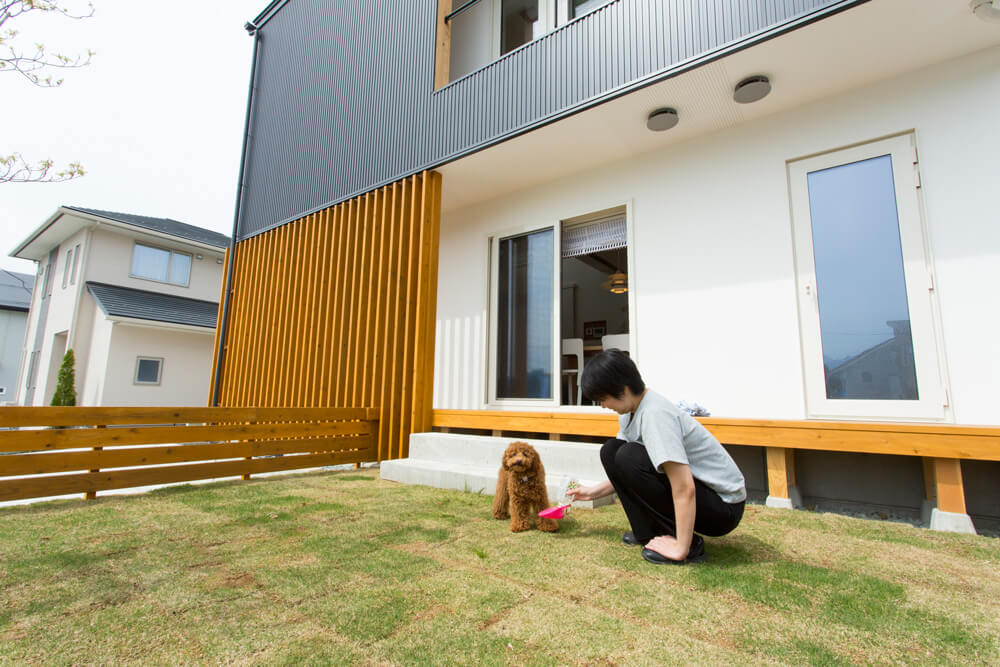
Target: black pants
648, 500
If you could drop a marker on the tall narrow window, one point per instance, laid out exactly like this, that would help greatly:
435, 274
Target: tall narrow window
76, 263
66, 267
864, 284
524, 316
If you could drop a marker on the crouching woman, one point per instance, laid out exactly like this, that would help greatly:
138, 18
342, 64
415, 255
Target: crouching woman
673, 478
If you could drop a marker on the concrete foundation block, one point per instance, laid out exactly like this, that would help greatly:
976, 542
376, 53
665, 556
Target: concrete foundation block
470, 463
951, 522
793, 501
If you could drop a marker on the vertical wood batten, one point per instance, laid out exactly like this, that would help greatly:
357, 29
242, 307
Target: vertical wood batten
337, 309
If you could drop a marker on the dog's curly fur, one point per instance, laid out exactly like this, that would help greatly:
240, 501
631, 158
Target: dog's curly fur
521, 491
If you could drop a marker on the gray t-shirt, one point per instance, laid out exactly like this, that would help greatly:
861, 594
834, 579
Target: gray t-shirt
670, 434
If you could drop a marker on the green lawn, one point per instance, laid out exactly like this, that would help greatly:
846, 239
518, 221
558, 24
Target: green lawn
343, 568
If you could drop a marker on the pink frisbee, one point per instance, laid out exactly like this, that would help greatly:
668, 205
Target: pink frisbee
557, 512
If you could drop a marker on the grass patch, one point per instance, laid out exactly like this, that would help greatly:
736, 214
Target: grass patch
343, 568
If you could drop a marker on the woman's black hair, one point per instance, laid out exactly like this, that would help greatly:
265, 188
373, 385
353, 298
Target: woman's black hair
607, 375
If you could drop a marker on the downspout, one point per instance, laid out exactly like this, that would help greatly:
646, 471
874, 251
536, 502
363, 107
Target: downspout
223, 324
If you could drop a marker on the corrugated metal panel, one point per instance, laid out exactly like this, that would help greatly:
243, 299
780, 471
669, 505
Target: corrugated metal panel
345, 102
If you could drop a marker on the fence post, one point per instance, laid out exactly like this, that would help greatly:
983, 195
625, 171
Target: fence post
92, 495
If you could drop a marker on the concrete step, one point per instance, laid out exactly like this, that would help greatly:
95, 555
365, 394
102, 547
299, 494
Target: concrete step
471, 462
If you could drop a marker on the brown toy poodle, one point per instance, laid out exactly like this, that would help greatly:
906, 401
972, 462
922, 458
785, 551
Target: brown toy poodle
521, 490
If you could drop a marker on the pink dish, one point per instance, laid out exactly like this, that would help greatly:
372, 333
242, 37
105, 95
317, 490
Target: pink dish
557, 512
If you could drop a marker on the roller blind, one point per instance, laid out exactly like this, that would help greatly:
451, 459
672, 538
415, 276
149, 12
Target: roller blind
591, 237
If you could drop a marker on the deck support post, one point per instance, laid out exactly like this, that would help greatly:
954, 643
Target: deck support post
782, 489
944, 505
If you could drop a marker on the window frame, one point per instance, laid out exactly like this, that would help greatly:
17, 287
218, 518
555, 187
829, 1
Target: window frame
170, 262
932, 400
66, 268
159, 372
494, 333
76, 264
492, 274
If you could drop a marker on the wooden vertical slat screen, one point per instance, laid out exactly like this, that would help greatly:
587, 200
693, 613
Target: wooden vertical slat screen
337, 309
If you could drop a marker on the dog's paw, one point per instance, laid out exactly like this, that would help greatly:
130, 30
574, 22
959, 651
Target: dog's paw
517, 527
501, 515
548, 526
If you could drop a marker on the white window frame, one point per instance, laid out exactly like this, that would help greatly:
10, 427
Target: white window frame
159, 371
76, 264
493, 264
170, 262
546, 16
66, 268
917, 271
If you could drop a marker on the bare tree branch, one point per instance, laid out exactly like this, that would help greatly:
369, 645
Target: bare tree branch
15, 169
34, 63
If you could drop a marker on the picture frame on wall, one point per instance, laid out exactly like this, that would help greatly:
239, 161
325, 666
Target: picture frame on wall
595, 329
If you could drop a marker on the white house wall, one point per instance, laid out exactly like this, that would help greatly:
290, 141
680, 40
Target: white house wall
12, 325
115, 264
91, 383
185, 374
715, 312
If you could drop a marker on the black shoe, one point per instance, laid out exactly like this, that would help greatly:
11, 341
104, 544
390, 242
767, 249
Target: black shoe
696, 554
629, 539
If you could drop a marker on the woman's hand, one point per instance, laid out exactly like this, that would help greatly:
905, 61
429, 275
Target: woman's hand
590, 492
668, 546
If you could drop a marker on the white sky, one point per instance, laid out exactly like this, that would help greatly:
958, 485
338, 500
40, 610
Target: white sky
156, 118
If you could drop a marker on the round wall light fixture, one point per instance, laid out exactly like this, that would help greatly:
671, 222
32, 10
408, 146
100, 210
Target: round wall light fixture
752, 89
662, 119
987, 10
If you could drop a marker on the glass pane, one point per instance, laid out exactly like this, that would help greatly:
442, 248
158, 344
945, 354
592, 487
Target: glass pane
148, 371
150, 262
525, 316
180, 268
519, 23
581, 7
863, 312
471, 38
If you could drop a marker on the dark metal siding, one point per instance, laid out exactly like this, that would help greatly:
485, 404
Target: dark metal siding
344, 98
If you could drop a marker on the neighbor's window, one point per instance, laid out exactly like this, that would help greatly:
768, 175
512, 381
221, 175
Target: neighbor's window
66, 268
147, 370
165, 266
76, 262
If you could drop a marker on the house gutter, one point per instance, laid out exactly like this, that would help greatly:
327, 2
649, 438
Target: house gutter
224, 319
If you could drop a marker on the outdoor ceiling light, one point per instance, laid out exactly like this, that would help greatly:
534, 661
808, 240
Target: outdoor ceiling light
987, 10
661, 119
751, 89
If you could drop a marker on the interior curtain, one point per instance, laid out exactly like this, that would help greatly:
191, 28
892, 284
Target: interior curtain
590, 237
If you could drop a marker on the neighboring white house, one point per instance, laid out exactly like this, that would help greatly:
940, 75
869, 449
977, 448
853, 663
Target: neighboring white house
134, 297
15, 298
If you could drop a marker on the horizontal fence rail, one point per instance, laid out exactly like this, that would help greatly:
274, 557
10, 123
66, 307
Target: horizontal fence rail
51, 451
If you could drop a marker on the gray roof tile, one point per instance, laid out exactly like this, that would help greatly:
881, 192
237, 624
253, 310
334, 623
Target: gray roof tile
164, 225
139, 304
15, 290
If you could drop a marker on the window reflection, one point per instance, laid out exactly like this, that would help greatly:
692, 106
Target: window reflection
860, 284
525, 316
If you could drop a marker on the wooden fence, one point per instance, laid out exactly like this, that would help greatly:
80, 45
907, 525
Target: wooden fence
50, 451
